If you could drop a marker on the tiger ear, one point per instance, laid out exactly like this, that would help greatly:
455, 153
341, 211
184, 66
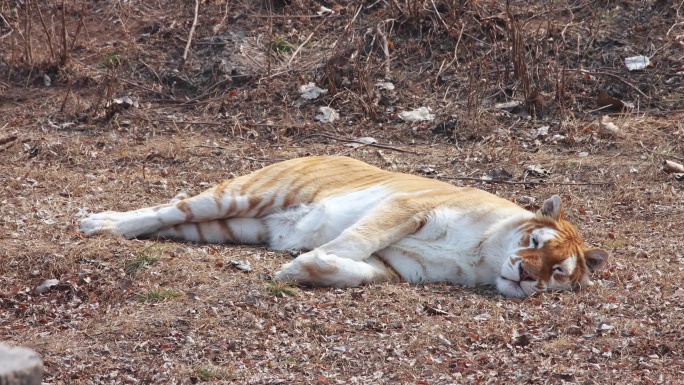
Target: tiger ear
551, 208
595, 259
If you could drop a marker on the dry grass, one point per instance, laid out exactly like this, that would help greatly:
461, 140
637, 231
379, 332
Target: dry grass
234, 107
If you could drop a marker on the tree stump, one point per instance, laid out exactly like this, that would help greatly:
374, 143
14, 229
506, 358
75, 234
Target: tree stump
20, 366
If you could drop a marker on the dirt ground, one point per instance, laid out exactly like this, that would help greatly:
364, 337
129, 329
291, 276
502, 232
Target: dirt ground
114, 118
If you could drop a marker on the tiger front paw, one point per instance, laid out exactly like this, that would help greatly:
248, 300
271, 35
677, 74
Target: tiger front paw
314, 268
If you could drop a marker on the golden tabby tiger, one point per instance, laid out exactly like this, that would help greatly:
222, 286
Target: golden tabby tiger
364, 225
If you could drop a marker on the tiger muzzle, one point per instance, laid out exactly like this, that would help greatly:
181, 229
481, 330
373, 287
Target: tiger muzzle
524, 275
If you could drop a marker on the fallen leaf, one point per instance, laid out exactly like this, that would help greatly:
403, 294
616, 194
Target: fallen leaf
500, 174
536, 171
607, 129
363, 141
604, 100
311, 91
637, 63
417, 115
327, 115
241, 265
672, 167
385, 86
46, 285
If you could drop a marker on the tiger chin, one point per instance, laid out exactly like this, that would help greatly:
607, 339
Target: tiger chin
360, 225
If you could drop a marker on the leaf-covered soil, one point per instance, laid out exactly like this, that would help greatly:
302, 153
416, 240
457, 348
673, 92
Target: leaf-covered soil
132, 312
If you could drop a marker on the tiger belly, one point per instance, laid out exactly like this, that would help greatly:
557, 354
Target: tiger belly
308, 226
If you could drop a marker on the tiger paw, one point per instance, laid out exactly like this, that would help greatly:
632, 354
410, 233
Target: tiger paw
99, 223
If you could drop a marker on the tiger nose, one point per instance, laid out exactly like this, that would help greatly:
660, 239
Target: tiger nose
524, 275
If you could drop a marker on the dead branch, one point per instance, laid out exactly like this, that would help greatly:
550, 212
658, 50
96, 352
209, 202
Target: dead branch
520, 68
660, 153
28, 31
289, 62
192, 31
65, 54
45, 29
618, 78
376, 145
458, 41
129, 82
299, 48
385, 47
532, 183
5, 140
66, 95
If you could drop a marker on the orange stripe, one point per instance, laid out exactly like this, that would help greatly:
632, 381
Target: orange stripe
227, 231
184, 207
200, 235
267, 205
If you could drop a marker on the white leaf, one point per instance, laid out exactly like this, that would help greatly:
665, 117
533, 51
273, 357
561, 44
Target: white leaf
508, 106
607, 129
636, 63
46, 285
327, 115
417, 115
311, 91
367, 140
363, 140
242, 265
325, 11
606, 327
482, 317
385, 85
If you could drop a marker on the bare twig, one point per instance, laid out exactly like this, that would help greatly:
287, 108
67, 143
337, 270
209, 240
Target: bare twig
119, 79
45, 29
300, 47
28, 31
269, 50
78, 29
458, 41
618, 78
660, 153
8, 26
65, 51
520, 68
385, 47
66, 96
192, 31
305, 41
376, 145
8, 139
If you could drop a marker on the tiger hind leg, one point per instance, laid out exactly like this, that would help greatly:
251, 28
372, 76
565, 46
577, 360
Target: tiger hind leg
244, 231
220, 202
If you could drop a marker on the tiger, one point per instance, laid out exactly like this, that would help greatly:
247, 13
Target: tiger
356, 224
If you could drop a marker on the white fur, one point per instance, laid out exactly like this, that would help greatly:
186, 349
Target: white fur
453, 245
310, 226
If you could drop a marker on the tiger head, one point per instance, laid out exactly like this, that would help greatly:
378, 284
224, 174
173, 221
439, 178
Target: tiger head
550, 255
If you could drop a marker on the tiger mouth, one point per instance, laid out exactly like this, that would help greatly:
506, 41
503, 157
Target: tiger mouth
524, 275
